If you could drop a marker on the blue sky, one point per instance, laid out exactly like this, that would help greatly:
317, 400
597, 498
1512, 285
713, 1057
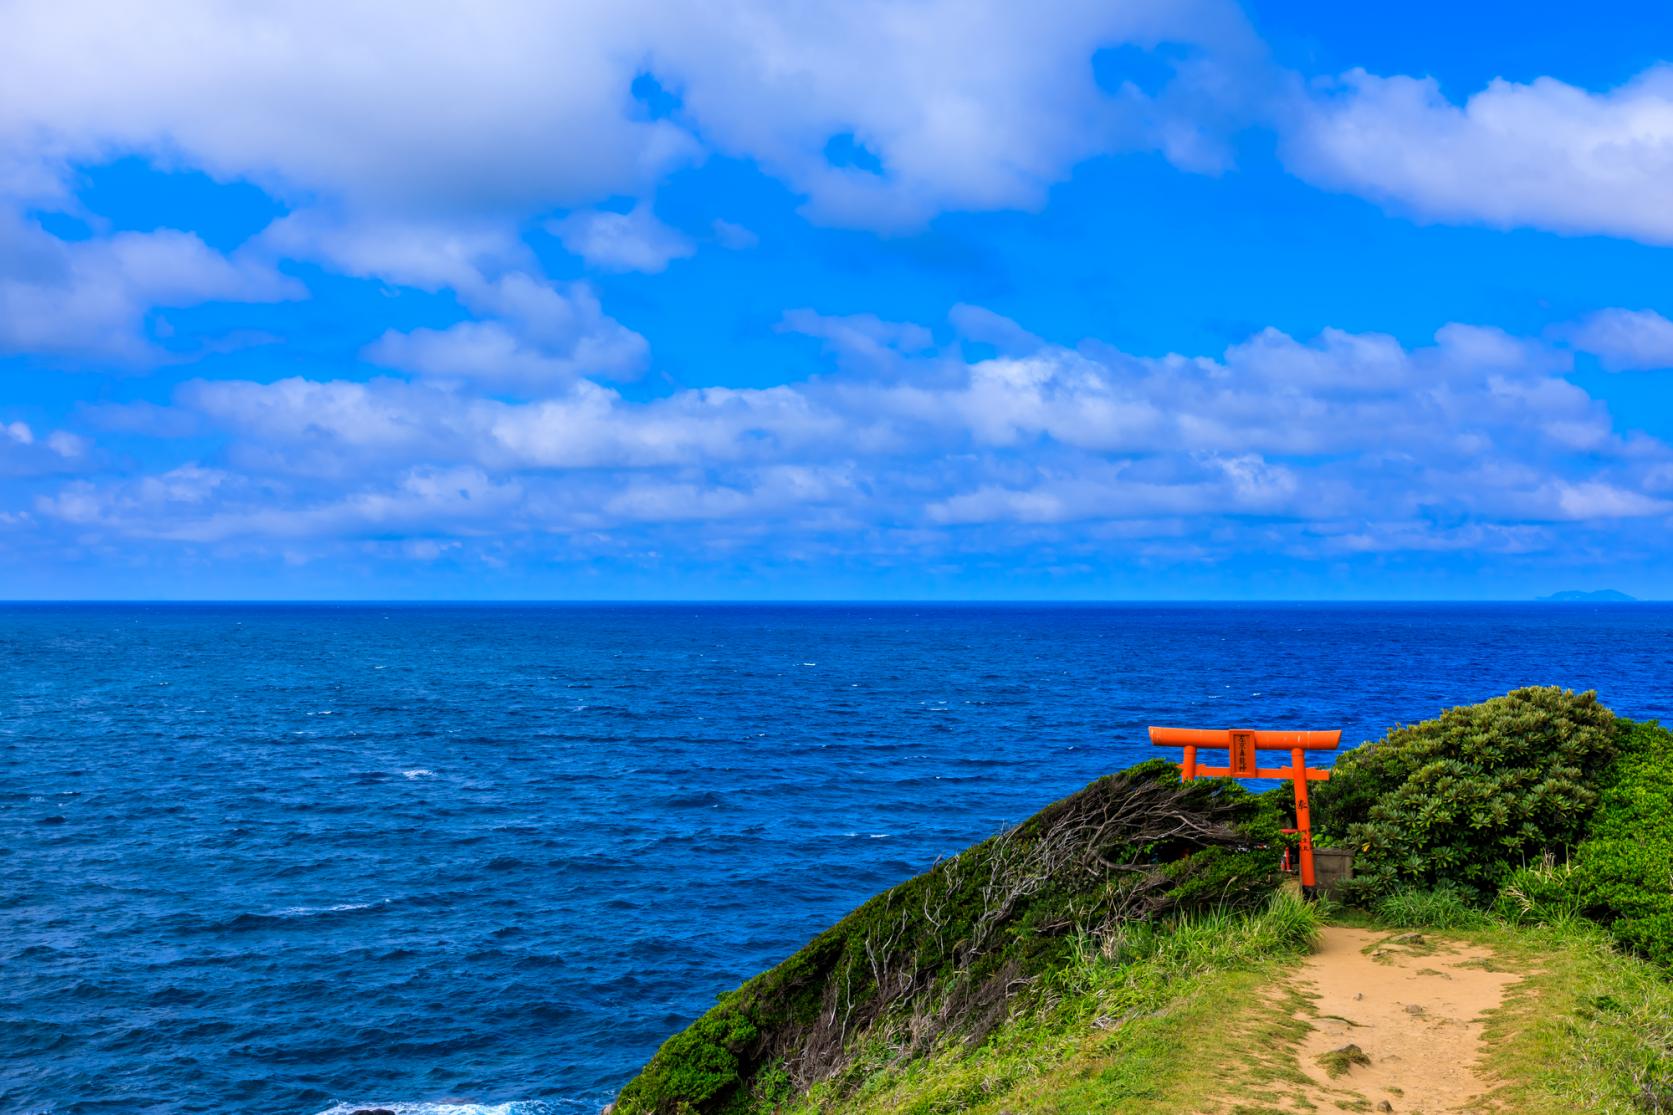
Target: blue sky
884, 300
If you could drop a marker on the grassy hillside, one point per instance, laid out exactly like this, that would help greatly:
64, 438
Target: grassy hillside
942, 960
1098, 956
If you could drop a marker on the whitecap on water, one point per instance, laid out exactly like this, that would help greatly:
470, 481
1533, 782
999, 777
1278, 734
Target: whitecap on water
517, 1107
419, 772
342, 908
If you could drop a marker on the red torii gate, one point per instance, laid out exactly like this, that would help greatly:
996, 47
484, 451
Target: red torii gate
1242, 744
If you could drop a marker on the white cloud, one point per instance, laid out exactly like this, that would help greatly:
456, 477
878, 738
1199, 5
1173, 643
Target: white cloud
1601, 500
91, 298
631, 241
586, 426
522, 106
431, 107
862, 339
193, 504
1243, 485
23, 452
1543, 155
1362, 438
417, 162
983, 326
1626, 340
67, 445
733, 237
543, 335
776, 84
427, 253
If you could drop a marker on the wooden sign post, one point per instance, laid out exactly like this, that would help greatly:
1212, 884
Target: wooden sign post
1241, 744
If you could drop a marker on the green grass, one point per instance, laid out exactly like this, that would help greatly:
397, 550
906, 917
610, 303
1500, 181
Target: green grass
939, 961
1589, 1030
1441, 908
1340, 1062
1103, 955
1126, 1025
1135, 1025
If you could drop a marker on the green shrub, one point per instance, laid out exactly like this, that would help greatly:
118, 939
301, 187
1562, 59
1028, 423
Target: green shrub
1625, 867
1466, 798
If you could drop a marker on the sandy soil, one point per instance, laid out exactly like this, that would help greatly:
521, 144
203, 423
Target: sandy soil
1413, 1004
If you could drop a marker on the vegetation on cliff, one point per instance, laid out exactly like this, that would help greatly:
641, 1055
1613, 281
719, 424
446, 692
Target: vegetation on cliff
944, 957
1082, 960
1467, 797
1542, 803
1621, 874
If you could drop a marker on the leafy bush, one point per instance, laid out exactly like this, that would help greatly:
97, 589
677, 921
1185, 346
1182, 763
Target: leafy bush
1471, 795
1624, 868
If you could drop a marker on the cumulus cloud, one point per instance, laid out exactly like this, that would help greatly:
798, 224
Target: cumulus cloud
1591, 499
1369, 445
542, 334
23, 452
91, 298
479, 108
932, 131
631, 241
429, 253
195, 504
485, 110
1544, 154
860, 339
1245, 484
1626, 340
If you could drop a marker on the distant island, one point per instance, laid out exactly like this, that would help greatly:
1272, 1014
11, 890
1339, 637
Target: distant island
1580, 596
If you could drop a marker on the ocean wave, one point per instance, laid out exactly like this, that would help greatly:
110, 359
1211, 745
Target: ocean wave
340, 908
515, 1107
289, 913
418, 772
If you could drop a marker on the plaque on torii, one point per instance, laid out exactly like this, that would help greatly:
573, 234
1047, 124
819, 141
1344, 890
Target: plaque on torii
1241, 746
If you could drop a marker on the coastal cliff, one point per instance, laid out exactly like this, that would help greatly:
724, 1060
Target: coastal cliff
1093, 957
943, 957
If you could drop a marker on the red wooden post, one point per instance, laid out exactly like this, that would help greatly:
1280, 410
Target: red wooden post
1241, 746
1303, 816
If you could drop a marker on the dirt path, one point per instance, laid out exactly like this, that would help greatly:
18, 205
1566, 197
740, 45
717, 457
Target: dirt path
1413, 1004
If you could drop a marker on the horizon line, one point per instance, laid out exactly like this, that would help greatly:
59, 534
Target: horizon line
813, 601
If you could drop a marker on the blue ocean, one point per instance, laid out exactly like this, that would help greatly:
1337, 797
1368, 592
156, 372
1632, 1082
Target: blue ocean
296, 859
